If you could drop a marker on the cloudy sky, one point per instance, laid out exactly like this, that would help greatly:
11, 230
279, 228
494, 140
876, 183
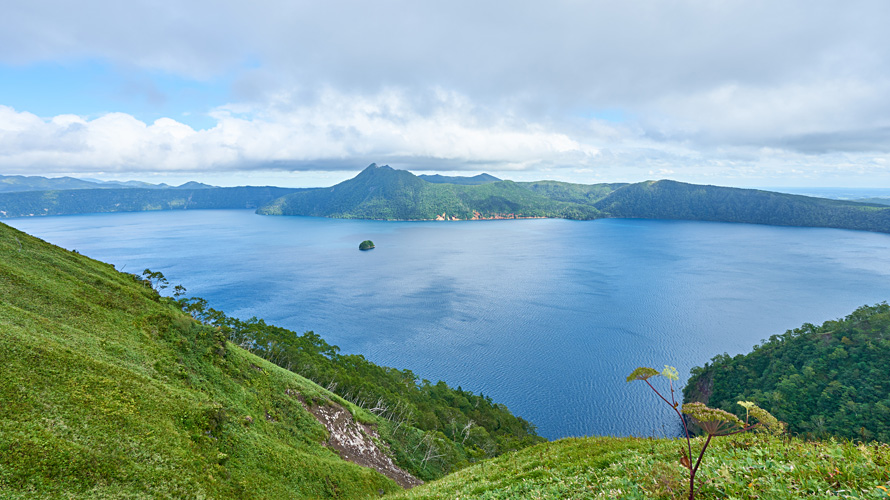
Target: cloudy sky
299, 93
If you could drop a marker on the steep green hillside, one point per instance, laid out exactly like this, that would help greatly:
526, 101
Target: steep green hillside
80, 201
821, 380
677, 200
109, 391
380, 192
744, 466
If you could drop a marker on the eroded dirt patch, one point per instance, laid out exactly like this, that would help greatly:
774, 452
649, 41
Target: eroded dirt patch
355, 442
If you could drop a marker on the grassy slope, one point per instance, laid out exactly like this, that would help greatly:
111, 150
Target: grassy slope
742, 466
107, 391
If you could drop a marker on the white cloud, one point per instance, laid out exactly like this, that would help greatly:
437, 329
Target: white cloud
338, 127
745, 90
340, 131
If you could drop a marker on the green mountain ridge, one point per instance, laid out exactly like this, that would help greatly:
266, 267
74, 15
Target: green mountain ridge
384, 193
192, 196
676, 200
388, 194
15, 183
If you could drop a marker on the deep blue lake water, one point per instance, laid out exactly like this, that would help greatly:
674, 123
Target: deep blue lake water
545, 316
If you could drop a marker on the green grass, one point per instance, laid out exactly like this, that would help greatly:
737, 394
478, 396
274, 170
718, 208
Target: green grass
743, 466
108, 391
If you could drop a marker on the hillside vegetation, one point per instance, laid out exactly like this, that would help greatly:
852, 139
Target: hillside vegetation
109, 390
743, 466
445, 428
821, 380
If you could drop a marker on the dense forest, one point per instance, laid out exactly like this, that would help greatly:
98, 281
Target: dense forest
79, 201
821, 380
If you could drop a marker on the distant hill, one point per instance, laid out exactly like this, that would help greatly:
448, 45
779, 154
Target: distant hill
20, 183
381, 192
80, 201
129, 184
677, 200
467, 181
194, 185
874, 201
15, 183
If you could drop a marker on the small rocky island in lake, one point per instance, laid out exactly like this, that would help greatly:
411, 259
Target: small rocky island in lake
366, 245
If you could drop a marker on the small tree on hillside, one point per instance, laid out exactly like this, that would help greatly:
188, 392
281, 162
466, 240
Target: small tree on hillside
155, 279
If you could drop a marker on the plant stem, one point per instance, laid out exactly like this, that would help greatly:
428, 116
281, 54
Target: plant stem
693, 470
683, 420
